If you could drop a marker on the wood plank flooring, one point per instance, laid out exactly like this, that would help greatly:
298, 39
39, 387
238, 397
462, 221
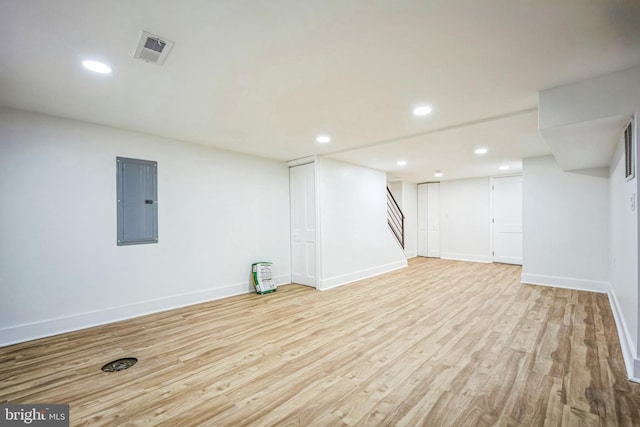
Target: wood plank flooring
440, 343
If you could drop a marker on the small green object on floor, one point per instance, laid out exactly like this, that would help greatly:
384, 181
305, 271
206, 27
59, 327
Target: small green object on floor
262, 278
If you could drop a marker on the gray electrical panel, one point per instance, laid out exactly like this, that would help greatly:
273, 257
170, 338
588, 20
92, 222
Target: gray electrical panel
137, 201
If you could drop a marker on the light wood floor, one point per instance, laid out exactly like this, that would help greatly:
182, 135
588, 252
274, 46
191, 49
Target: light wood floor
438, 343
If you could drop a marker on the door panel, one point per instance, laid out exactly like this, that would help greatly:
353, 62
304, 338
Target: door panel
303, 224
433, 219
429, 220
137, 201
507, 220
423, 228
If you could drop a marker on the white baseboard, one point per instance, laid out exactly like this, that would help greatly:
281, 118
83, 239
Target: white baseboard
466, 257
508, 260
343, 279
565, 282
411, 254
631, 362
46, 328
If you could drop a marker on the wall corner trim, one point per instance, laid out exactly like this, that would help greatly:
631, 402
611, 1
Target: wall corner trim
411, 254
565, 282
49, 327
343, 279
631, 361
302, 161
466, 257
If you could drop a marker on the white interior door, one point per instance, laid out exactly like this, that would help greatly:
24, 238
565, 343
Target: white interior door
303, 224
423, 247
507, 220
429, 220
433, 219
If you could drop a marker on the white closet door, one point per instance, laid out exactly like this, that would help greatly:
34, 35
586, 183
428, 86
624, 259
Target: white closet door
423, 247
507, 220
429, 220
303, 224
433, 219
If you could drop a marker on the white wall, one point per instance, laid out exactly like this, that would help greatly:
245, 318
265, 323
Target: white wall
396, 189
355, 238
410, 209
465, 220
406, 194
624, 255
60, 268
581, 123
565, 226
609, 95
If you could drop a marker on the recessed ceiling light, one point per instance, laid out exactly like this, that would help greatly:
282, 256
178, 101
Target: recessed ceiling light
96, 66
401, 163
438, 174
481, 150
323, 139
504, 167
422, 110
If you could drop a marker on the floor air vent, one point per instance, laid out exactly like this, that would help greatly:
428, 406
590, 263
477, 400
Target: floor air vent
153, 49
120, 364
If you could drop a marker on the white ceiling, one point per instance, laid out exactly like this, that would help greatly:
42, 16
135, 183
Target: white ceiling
266, 77
585, 145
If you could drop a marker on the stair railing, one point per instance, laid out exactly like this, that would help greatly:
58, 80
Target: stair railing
395, 218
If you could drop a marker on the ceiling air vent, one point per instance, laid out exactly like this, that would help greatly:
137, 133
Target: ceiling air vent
152, 48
